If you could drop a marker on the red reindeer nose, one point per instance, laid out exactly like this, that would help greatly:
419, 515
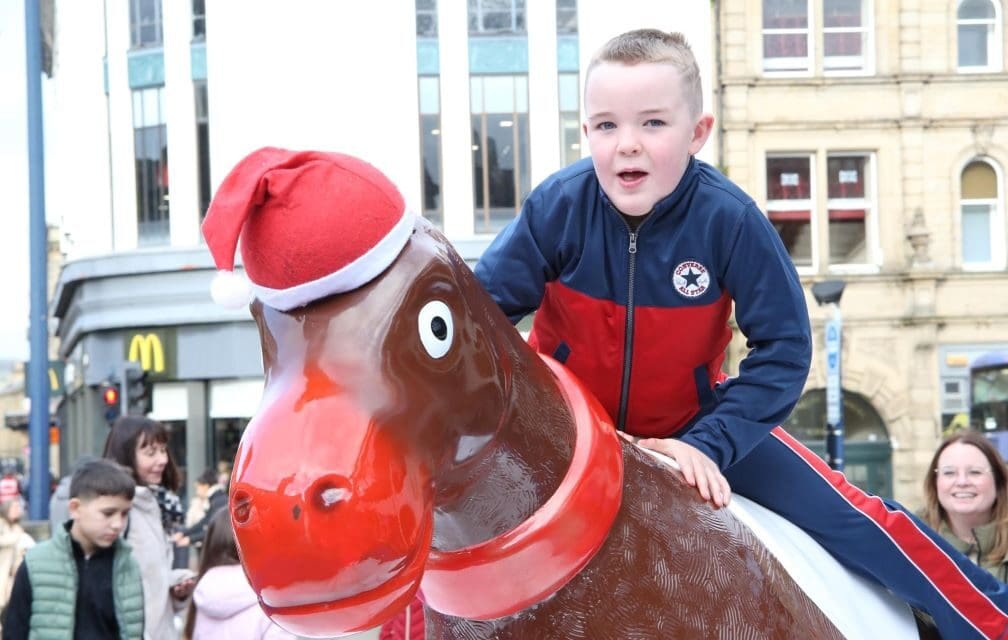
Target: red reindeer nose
313, 468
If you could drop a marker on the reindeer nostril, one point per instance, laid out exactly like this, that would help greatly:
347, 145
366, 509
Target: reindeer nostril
327, 492
241, 507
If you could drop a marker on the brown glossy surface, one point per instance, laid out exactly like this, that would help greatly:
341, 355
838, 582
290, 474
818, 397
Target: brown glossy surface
368, 451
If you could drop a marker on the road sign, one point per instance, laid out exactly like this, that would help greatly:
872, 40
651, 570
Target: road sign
834, 395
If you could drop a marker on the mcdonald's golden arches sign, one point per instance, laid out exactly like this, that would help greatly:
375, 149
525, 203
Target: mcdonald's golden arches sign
154, 349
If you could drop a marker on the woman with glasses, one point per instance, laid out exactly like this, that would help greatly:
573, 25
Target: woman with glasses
967, 499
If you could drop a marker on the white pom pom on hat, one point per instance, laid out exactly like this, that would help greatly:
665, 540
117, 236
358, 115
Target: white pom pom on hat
231, 290
311, 223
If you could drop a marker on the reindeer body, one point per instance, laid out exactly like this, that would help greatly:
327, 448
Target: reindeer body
407, 428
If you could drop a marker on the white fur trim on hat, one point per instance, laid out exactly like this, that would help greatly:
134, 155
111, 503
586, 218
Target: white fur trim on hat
349, 277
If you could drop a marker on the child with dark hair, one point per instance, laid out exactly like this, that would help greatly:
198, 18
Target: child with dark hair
224, 604
141, 445
85, 565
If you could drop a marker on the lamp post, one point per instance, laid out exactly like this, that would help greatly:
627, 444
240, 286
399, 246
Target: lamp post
829, 293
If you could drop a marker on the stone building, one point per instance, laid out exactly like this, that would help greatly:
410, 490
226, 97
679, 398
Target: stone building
875, 136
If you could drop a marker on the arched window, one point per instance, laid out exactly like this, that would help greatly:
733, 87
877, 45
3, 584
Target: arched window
982, 220
867, 448
979, 35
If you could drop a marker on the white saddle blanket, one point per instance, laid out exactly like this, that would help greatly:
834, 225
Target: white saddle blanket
859, 608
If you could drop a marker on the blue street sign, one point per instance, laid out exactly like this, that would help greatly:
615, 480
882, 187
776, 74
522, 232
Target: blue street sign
834, 397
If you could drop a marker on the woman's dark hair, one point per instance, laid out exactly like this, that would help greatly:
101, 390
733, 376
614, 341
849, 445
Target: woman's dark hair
219, 549
129, 431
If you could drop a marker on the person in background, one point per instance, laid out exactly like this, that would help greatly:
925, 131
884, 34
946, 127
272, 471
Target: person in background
224, 606
966, 499
198, 503
10, 487
208, 488
14, 542
58, 501
83, 582
141, 445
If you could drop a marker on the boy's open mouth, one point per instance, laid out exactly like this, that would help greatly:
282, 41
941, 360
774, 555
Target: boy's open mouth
631, 176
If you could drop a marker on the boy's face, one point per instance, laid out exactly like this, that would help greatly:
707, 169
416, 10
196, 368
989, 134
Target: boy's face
97, 522
640, 132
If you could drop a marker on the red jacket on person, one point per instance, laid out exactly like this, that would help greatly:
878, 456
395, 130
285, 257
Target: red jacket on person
408, 625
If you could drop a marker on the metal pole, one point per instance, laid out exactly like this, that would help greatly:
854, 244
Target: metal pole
834, 391
38, 426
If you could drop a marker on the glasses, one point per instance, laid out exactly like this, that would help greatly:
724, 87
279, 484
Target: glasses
972, 473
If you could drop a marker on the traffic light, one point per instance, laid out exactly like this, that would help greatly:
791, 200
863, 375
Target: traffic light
110, 398
136, 389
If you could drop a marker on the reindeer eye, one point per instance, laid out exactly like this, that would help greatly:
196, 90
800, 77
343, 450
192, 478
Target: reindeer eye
436, 328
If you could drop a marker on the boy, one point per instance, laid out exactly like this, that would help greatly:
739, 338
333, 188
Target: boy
634, 258
83, 582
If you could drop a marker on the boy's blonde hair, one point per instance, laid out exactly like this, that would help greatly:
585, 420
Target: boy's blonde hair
654, 46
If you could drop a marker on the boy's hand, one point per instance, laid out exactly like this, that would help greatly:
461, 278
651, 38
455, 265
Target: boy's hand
699, 470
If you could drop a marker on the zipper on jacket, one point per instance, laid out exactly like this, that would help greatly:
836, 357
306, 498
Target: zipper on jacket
628, 337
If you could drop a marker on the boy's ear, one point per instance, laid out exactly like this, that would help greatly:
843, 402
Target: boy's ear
73, 506
701, 131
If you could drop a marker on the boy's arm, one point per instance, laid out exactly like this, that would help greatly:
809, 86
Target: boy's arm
17, 618
516, 266
771, 312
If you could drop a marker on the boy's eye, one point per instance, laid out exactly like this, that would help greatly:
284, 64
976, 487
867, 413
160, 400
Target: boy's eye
654, 122
605, 126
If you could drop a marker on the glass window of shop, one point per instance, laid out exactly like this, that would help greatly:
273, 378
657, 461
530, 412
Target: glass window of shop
430, 151
500, 147
150, 145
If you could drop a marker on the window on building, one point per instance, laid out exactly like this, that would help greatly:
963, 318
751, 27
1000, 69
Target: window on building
150, 145
566, 16
199, 19
496, 16
787, 35
790, 204
145, 23
789, 30
500, 145
430, 151
982, 219
979, 34
202, 145
849, 206
845, 35
570, 118
426, 18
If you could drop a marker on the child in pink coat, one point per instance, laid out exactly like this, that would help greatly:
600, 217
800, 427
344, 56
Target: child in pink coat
224, 606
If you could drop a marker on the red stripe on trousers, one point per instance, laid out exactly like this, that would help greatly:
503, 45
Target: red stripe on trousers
969, 602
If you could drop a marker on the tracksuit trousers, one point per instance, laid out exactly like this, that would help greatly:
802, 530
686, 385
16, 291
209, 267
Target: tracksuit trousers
875, 538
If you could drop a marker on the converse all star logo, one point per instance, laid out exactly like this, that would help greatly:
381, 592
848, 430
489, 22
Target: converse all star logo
690, 279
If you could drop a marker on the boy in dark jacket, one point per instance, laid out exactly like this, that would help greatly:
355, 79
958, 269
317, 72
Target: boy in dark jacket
635, 259
82, 583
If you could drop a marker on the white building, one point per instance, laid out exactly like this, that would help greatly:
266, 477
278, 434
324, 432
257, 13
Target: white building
466, 105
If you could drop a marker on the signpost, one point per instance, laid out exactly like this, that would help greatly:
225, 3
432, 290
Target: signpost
834, 393
829, 293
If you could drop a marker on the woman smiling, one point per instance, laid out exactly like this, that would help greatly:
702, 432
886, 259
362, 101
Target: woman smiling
967, 499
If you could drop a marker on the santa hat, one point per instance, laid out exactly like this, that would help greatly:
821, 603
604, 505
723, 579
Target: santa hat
312, 224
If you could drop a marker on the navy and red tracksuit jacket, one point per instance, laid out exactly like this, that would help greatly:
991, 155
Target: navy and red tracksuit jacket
642, 316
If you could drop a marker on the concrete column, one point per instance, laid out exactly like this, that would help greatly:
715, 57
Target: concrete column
197, 431
123, 165
543, 91
456, 129
183, 172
